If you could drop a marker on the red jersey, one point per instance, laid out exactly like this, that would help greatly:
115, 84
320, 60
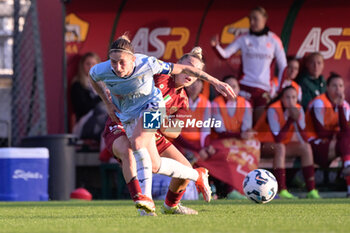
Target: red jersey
176, 101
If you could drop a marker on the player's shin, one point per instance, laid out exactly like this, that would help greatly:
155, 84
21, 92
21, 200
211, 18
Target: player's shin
309, 177
144, 170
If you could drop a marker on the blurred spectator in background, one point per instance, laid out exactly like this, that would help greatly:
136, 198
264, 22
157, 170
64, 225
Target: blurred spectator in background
258, 47
328, 120
236, 116
194, 138
311, 81
90, 113
282, 131
291, 73
193, 142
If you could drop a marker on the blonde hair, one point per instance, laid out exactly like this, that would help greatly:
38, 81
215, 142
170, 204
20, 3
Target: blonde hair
122, 44
196, 52
81, 77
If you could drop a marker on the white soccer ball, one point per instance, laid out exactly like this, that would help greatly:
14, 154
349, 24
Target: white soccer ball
260, 186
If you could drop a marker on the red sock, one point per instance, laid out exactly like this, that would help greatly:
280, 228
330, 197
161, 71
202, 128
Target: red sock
134, 188
309, 177
280, 174
172, 199
347, 179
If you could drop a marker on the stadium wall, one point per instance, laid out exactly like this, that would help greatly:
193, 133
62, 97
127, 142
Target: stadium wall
167, 29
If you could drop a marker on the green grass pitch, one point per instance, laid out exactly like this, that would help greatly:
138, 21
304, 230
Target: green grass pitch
326, 215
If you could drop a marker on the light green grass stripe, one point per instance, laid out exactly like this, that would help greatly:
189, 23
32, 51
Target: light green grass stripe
326, 215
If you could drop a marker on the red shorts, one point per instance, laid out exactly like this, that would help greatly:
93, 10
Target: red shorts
320, 149
162, 143
256, 96
114, 130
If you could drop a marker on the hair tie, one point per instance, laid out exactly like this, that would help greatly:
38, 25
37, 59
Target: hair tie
121, 50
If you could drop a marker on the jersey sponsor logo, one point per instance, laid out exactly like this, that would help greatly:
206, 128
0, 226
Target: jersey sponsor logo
316, 37
165, 50
115, 128
260, 56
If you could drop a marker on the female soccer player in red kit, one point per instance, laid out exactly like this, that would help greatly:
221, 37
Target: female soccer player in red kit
282, 131
328, 120
176, 101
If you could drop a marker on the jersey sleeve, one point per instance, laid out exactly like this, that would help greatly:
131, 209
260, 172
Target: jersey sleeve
230, 49
300, 94
273, 121
215, 111
301, 120
247, 117
160, 67
346, 107
93, 73
280, 56
319, 111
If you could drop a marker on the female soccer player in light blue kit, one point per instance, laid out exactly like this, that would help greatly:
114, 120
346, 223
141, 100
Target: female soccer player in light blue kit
129, 77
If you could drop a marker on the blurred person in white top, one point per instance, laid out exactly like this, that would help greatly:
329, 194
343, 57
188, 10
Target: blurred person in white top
258, 47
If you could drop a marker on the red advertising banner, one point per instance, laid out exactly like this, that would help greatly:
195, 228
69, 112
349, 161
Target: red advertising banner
169, 29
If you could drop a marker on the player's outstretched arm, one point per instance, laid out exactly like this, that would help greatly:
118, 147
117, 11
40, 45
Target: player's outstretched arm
100, 90
221, 87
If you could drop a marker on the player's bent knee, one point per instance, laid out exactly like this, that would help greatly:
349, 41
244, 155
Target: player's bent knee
280, 149
308, 148
137, 143
121, 149
305, 149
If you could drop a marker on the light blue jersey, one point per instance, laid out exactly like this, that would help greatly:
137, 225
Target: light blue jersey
132, 94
